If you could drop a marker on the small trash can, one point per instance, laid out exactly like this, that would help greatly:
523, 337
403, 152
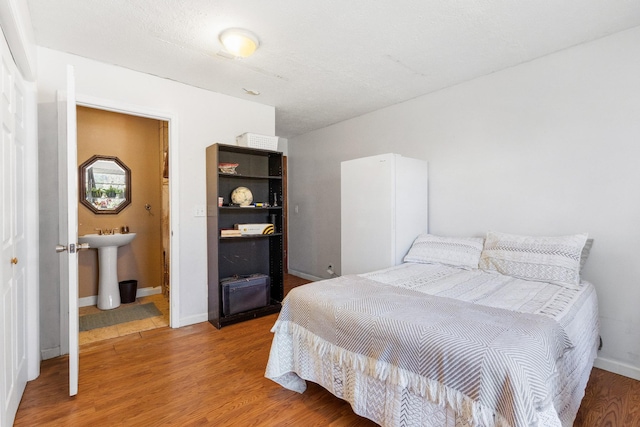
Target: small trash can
128, 290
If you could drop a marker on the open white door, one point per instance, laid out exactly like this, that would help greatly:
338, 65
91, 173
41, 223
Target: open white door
68, 225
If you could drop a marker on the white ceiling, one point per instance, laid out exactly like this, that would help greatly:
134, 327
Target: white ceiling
321, 62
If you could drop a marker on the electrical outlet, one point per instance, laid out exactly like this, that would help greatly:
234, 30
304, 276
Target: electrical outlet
330, 269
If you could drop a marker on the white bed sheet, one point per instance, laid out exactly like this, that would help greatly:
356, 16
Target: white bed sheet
575, 309
494, 290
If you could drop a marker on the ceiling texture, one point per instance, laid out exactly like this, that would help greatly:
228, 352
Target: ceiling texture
322, 62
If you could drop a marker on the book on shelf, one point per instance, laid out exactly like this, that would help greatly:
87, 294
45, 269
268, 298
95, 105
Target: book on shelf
230, 232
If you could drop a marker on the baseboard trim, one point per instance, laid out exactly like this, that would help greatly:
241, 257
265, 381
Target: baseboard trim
49, 353
142, 292
145, 292
306, 276
617, 367
192, 320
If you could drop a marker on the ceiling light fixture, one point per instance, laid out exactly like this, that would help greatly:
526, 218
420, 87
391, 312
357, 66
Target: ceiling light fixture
238, 42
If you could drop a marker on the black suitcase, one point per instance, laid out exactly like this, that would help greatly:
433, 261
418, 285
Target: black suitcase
244, 293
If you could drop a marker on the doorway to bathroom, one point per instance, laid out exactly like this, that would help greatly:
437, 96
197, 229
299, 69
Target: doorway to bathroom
142, 144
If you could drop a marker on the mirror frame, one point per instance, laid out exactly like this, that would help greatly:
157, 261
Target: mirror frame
82, 194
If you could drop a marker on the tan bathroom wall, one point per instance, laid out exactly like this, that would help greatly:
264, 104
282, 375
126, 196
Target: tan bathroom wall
137, 142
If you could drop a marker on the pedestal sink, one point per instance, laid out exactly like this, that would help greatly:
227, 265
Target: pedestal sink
107, 245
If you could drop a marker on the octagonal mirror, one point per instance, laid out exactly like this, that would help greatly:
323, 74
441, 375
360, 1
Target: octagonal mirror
105, 185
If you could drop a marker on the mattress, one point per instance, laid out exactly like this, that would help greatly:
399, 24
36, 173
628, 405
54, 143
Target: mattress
392, 394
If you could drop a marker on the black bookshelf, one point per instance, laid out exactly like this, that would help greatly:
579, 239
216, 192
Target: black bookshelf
261, 171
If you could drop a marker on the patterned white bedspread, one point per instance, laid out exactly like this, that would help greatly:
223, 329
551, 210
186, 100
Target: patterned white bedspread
491, 348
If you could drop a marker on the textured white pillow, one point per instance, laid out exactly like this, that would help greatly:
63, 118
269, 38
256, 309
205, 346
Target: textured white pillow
543, 259
461, 252
585, 253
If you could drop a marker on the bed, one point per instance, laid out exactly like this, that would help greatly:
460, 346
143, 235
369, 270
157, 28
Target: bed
495, 331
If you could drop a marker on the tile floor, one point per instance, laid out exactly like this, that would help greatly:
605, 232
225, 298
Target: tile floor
127, 328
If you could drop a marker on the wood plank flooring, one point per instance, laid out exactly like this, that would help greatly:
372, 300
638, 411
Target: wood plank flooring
198, 375
610, 400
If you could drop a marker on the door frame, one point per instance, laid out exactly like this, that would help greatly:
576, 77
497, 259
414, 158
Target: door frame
140, 111
32, 206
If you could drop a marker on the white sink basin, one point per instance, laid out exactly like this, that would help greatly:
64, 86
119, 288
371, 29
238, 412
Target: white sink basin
103, 240
107, 245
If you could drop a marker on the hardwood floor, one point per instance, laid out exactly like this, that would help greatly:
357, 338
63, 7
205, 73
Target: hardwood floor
198, 375
610, 400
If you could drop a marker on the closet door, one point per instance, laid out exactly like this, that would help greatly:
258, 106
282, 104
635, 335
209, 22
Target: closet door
13, 368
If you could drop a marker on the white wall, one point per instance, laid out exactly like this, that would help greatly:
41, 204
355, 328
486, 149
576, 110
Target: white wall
549, 147
203, 118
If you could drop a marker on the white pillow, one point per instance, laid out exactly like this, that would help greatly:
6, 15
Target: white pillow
543, 259
463, 252
585, 253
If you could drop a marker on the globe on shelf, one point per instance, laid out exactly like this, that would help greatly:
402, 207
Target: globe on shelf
241, 196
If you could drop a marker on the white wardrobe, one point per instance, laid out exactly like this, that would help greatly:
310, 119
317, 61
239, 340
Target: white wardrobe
383, 208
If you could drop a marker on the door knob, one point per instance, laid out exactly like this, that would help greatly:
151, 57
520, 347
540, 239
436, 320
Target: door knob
14, 261
72, 247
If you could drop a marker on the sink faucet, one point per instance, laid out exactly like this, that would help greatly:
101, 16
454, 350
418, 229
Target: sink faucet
107, 231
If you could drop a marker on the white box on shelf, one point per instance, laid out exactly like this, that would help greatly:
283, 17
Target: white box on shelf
255, 140
250, 229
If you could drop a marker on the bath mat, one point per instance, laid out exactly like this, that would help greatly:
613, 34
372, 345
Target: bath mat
118, 315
